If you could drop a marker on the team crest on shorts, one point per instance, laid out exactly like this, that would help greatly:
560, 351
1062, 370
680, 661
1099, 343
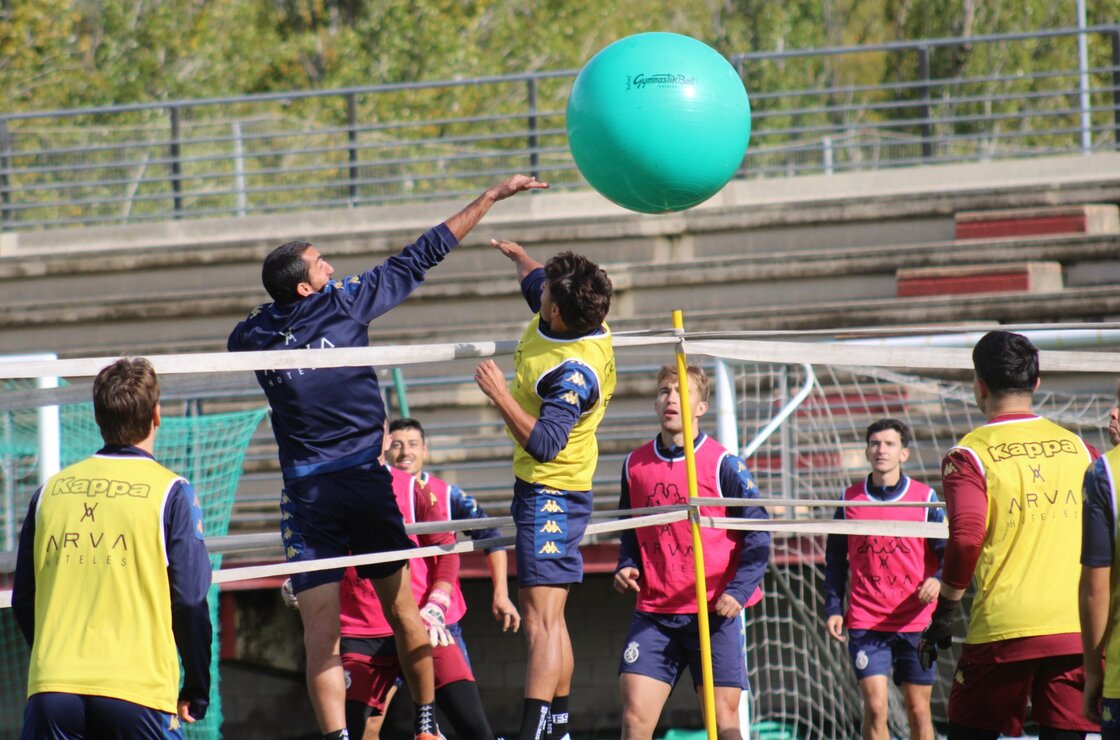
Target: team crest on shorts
861, 660
630, 655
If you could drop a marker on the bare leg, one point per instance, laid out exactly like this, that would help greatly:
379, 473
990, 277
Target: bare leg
875, 704
413, 647
643, 698
375, 721
916, 697
326, 684
546, 633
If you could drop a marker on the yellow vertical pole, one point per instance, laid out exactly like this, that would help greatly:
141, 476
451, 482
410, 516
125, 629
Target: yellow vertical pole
709, 695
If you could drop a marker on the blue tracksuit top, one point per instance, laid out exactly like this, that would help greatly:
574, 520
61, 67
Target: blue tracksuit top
331, 418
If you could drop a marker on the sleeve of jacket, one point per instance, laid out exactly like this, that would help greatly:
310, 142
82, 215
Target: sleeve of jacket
628, 554
463, 507
736, 482
188, 570
835, 570
23, 588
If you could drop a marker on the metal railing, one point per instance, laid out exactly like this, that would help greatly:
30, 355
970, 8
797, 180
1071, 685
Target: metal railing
814, 111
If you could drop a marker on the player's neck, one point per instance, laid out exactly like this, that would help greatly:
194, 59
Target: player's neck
888, 479
1010, 404
669, 439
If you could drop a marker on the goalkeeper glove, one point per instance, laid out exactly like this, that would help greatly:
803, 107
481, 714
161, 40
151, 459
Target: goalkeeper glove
434, 614
939, 633
288, 595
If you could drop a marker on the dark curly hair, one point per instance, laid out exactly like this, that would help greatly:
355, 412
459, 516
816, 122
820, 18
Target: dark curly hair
1006, 362
580, 289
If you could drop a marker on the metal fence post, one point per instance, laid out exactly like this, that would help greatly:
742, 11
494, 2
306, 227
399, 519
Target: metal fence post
927, 107
5, 166
239, 171
1115, 36
534, 154
176, 163
352, 139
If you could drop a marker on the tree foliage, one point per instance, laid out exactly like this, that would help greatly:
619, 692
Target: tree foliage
73, 53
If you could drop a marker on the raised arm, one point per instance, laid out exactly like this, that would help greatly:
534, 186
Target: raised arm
462, 222
516, 254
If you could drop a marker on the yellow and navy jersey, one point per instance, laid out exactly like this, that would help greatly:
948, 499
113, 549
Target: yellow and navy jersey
1033, 471
118, 540
565, 383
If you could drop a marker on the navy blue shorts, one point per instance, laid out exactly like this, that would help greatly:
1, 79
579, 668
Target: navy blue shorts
661, 646
1110, 719
876, 653
550, 524
347, 512
55, 716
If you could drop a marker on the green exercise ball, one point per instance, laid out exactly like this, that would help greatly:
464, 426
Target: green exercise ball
658, 122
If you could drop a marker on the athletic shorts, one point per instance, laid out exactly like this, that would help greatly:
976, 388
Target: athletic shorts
550, 524
347, 512
661, 646
993, 696
876, 653
1110, 719
57, 716
373, 668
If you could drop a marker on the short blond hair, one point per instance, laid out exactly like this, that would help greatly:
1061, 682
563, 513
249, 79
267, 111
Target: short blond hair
695, 373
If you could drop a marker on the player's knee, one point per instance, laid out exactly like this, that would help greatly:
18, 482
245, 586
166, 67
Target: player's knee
635, 722
875, 707
321, 638
919, 714
538, 625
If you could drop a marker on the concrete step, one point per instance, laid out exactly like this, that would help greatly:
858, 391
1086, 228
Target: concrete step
480, 305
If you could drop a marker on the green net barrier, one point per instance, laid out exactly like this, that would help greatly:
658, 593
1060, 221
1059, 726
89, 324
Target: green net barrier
207, 450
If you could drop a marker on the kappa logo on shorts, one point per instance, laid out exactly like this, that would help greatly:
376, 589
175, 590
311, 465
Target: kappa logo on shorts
861, 660
173, 723
630, 655
1107, 717
958, 678
551, 527
549, 548
551, 506
346, 673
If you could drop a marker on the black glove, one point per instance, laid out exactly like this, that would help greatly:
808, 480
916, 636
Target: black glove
939, 633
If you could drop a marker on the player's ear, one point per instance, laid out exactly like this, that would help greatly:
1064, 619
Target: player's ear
304, 289
904, 455
701, 408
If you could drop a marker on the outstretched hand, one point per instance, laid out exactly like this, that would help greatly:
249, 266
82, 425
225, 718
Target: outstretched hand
491, 380
509, 249
516, 184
